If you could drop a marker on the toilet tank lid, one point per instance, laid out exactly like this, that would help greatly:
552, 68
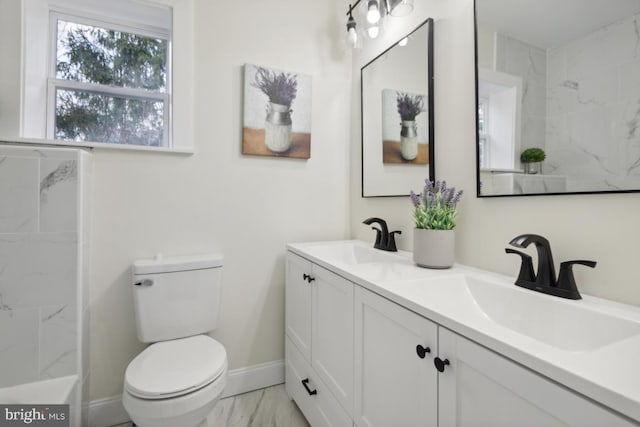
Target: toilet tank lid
172, 264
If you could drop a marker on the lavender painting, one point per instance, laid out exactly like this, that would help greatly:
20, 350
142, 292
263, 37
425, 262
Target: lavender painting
277, 113
405, 134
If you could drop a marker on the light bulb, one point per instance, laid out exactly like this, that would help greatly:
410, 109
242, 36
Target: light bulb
403, 42
373, 31
373, 12
352, 37
352, 34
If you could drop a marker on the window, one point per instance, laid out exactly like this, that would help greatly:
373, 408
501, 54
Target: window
108, 83
499, 109
483, 135
114, 74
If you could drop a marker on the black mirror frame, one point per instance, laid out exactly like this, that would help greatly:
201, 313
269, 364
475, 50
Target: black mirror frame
430, 103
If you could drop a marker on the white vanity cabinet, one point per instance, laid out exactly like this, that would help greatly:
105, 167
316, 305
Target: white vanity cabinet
356, 358
395, 380
482, 388
477, 387
319, 342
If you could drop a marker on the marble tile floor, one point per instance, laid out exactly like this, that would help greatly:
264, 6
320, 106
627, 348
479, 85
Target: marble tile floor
268, 407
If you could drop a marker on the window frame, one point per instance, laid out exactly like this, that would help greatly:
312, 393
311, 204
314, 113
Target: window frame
484, 136
54, 83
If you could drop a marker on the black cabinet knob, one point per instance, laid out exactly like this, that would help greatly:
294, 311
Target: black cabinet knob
422, 351
308, 277
440, 364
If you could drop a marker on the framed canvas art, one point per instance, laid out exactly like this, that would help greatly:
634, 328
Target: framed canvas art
277, 113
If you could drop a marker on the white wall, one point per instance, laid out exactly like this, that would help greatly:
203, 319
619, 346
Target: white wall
600, 227
486, 47
219, 200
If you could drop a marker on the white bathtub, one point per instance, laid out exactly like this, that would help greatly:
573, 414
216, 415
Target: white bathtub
57, 391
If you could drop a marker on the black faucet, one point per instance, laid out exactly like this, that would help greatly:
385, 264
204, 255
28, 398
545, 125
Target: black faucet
546, 273
384, 240
544, 280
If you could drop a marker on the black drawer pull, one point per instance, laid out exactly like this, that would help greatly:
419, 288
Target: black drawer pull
440, 364
308, 277
422, 351
305, 383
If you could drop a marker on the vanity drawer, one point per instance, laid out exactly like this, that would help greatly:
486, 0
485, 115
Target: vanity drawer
317, 403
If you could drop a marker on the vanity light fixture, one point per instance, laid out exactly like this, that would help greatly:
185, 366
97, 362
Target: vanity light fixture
375, 12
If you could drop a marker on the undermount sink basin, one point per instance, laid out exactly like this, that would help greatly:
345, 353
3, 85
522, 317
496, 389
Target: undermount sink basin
351, 253
564, 324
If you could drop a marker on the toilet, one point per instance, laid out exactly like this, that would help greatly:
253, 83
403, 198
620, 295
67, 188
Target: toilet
179, 378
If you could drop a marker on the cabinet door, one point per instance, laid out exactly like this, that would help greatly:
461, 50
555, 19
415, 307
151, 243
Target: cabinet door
481, 388
394, 386
298, 304
332, 333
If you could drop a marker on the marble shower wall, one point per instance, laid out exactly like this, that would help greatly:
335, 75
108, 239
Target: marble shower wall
529, 62
593, 109
43, 255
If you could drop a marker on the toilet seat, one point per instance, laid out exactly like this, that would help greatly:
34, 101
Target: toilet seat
173, 368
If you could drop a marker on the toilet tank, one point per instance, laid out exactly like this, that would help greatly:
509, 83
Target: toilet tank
176, 297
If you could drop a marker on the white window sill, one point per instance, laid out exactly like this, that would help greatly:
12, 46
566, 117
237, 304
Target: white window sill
501, 170
121, 147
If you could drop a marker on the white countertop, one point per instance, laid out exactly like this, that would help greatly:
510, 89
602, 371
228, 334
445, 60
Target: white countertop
609, 374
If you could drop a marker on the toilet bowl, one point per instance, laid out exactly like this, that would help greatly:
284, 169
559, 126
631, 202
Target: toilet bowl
176, 383
178, 379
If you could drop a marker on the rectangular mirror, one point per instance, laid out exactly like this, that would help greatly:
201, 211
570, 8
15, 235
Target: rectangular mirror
397, 116
558, 96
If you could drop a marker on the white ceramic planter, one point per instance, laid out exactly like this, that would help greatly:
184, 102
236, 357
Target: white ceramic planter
433, 248
533, 167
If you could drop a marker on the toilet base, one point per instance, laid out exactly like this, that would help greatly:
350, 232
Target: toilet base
191, 410
184, 421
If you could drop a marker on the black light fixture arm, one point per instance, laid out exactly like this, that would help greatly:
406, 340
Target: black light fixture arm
353, 6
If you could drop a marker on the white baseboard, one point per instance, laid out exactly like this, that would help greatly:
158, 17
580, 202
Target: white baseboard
243, 380
109, 411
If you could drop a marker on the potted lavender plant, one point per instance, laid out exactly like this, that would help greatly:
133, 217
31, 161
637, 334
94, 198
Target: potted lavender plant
435, 211
281, 89
409, 106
